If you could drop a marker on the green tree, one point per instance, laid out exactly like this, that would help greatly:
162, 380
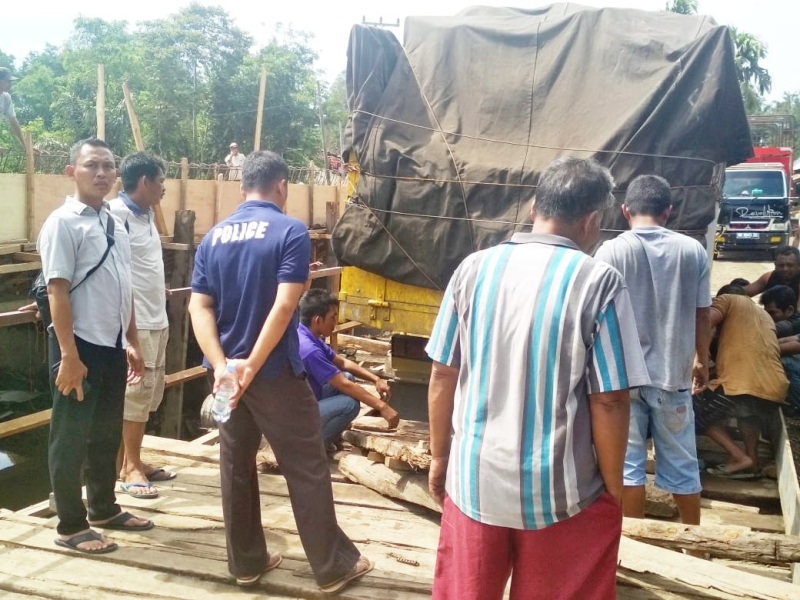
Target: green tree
336, 112
682, 7
191, 59
754, 80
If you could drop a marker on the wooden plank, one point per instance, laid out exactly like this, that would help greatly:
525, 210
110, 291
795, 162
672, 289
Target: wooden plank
17, 318
717, 580
10, 249
739, 490
184, 376
329, 272
20, 267
25, 423
346, 326
719, 541
403, 445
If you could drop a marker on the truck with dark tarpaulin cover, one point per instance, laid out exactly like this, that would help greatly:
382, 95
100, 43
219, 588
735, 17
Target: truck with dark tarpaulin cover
449, 132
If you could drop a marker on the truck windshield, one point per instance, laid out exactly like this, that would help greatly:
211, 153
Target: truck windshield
754, 184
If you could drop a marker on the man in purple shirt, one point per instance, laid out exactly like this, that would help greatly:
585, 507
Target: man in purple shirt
331, 376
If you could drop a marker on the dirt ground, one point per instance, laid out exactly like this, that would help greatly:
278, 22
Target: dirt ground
750, 266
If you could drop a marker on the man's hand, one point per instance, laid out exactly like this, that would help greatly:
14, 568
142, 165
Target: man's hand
436, 479
71, 373
383, 389
32, 307
135, 363
699, 377
391, 416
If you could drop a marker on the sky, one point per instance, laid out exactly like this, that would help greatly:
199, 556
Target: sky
28, 27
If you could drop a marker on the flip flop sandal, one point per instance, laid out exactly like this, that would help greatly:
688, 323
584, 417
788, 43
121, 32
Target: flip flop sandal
119, 523
722, 471
90, 536
272, 563
130, 489
361, 568
160, 475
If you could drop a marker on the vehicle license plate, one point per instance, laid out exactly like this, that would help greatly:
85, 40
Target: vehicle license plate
746, 236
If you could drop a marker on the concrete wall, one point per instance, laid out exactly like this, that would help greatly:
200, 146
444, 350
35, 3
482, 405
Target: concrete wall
212, 201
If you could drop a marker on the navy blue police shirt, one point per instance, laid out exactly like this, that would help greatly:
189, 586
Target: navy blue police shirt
240, 263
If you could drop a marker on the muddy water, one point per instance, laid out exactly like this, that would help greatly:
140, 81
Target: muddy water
24, 478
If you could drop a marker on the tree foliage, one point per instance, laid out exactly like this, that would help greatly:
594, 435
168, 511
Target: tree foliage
683, 7
194, 80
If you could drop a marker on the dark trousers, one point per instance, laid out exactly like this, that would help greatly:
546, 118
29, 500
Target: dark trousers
285, 411
85, 437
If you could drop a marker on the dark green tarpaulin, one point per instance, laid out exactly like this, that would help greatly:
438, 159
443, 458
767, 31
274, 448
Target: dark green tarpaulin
453, 128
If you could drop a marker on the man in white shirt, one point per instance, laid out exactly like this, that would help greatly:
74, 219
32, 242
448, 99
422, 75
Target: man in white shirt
143, 187
85, 256
235, 162
7, 106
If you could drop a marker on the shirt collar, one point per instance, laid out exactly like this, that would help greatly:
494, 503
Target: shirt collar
260, 204
135, 208
79, 208
542, 238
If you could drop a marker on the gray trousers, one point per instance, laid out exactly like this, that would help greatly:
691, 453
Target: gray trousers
285, 410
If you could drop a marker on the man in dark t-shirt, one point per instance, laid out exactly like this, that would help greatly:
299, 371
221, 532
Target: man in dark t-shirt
786, 272
250, 271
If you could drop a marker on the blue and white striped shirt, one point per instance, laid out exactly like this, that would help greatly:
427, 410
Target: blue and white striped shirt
535, 326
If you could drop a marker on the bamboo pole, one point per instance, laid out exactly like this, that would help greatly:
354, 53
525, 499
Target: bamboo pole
101, 102
137, 132
30, 185
161, 224
262, 90
184, 183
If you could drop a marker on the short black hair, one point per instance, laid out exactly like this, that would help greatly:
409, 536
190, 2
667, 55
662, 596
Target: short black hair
648, 195
782, 296
736, 290
135, 165
262, 169
788, 251
740, 281
316, 303
571, 188
75, 150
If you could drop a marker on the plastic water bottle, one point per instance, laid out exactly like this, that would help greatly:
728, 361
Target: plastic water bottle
221, 410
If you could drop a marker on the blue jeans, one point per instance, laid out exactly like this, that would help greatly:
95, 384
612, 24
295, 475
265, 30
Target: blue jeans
670, 419
336, 411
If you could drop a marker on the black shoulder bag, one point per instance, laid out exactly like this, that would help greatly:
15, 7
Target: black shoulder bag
39, 289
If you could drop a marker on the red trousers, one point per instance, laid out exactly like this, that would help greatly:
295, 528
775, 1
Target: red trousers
575, 559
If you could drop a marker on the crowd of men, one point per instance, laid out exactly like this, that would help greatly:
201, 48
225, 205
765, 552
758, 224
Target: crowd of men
551, 371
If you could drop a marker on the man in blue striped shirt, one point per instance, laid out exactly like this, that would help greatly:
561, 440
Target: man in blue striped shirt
534, 349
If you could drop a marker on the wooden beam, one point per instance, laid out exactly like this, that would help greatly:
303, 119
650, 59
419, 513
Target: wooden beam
789, 489
262, 91
16, 318
20, 267
7, 249
720, 541
174, 246
184, 376
101, 102
26, 256
184, 192
366, 344
179, 293
25, 423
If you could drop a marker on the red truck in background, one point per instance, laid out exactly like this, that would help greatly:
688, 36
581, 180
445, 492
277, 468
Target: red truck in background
757, 198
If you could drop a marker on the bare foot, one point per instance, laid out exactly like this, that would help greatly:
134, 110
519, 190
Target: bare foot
744, 464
